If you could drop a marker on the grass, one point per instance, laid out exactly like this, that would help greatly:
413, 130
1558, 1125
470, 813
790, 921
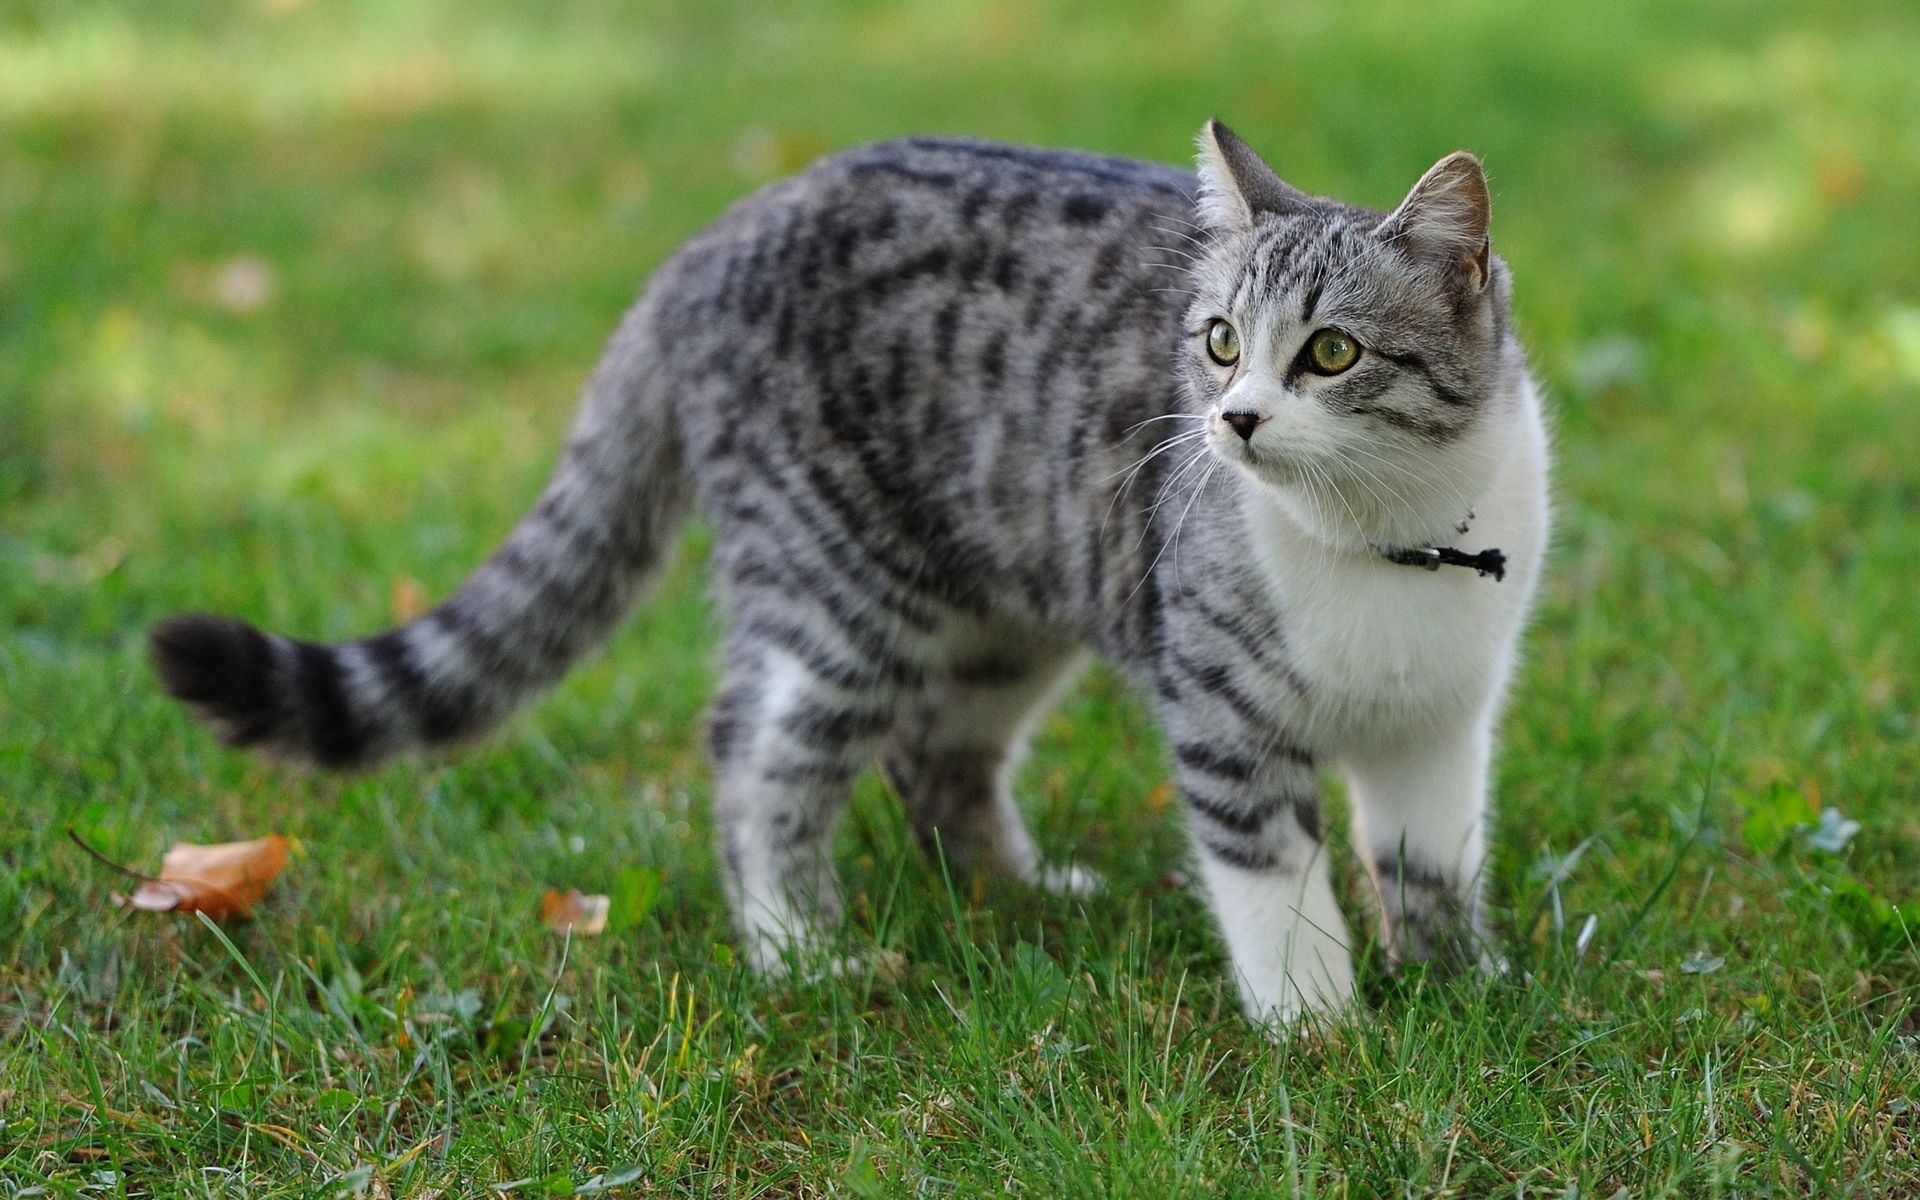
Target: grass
294, 299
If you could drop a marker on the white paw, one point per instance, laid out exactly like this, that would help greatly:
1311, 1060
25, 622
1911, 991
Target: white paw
813, 964
1284, 1021
1069, 880
1286, 1004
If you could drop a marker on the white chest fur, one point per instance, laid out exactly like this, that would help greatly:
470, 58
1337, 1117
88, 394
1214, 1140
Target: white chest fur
1389, 650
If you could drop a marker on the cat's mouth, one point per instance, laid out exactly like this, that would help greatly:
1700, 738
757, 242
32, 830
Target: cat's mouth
1268, 464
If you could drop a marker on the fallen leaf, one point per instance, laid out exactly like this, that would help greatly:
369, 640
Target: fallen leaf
407, 599
223, 881
574, 912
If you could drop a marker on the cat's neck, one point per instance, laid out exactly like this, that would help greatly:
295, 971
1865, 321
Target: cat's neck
1364, 517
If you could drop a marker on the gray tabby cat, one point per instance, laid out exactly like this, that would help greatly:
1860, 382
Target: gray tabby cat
959, 412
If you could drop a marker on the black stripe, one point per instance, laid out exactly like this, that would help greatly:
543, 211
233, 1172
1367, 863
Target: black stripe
1252, 640
899, 170
846, 516
823, 725
1402, 874
875, 288
1208, 760
1311, 300
788, 576
440, 717
1111, 170
1420, 427
1218, 681
1017, 209
972, 264
993, 359
726, 721
1085, 208
1307, 812
976, 201
1238, 854
511, 559
946, 330
332, 734
1231, 817
1006, 269
1418, 365
1106, 266
829, 773
874, 666
830, 531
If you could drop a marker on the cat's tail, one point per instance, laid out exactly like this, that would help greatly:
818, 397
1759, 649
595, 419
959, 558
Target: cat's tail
557, 586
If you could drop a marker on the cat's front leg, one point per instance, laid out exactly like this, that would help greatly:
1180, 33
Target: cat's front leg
1419, 811
1254, 812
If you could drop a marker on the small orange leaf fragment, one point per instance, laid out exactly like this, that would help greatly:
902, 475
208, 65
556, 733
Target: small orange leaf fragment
407, 598
1160, 796
574, 912
222, 881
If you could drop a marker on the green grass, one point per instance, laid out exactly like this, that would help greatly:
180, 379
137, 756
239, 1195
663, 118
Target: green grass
1710, 215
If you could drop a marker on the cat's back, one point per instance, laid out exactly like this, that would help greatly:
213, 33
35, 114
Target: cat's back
939, 342
988, 183
993, 224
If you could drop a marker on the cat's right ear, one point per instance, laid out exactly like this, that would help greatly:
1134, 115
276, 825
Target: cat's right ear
1445, 217
1235, 185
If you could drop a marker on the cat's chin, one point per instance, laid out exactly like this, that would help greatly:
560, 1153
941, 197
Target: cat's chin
1275, 469
1332, 508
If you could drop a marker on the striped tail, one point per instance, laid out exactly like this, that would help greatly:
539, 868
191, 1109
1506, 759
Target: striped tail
557, 586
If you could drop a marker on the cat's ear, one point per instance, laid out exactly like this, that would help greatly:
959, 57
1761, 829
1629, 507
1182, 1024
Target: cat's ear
1445, 217
1235, 186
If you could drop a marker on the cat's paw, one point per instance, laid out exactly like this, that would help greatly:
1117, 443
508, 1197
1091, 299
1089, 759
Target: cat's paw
1069, 880
1283, 1006
1298, 1017
784, 961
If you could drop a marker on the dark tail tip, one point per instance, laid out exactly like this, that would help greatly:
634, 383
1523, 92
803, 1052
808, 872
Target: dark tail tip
224, 669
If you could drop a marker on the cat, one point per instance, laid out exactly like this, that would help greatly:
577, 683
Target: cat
960, 413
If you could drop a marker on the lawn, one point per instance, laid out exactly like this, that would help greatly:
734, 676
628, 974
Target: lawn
295, 299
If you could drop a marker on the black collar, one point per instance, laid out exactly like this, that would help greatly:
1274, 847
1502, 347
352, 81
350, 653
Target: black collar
1487, 562
1432, 558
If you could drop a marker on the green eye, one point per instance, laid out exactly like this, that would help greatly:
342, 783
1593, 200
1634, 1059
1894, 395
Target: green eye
1223, 343
1330, 352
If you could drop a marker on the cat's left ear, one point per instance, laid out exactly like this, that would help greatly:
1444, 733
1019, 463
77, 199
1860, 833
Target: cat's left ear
1236, 186
1446, 216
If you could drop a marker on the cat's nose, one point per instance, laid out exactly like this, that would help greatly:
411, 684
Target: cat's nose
1244, 423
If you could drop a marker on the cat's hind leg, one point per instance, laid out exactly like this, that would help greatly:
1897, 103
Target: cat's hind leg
795, 720
955, 753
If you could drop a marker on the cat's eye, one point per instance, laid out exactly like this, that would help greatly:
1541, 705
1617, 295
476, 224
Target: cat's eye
1223, 343
1330, 352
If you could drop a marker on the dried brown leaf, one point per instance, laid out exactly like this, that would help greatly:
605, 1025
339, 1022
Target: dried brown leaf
223, 881
574, 912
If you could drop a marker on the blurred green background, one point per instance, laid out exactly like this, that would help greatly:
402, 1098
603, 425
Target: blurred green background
295, 299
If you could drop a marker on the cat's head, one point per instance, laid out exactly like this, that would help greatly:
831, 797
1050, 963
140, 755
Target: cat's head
1357, 362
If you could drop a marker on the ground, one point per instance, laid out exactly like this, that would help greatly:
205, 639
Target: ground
294, 302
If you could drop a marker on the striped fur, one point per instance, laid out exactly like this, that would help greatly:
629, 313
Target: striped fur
949, 409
